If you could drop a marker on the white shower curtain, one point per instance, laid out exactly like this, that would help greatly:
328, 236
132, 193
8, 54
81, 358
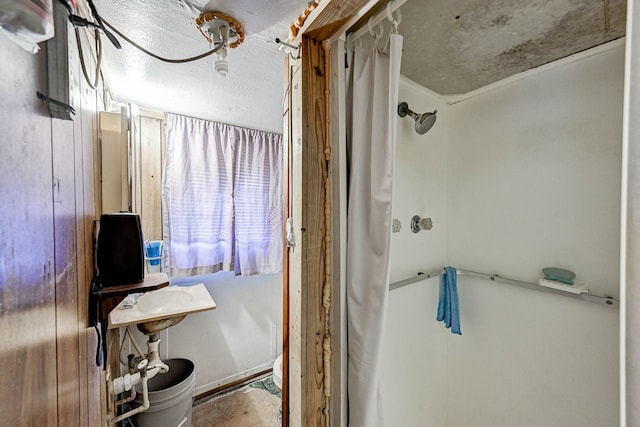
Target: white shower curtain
373, 97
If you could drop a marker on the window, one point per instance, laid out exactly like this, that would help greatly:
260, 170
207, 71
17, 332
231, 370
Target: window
222, 198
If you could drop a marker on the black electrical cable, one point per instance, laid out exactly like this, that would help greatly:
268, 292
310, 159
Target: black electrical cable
78, 21
102, 23
110, 36
172, 61
92, 84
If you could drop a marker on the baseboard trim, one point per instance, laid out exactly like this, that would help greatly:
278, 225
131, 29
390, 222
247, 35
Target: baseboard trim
240, 382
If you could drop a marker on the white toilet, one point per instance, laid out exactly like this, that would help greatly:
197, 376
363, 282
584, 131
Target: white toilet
277, 372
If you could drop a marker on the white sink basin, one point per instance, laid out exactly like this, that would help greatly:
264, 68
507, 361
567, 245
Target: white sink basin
164, 302
172, 302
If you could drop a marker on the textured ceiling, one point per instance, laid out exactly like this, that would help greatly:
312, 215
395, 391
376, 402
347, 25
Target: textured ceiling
450, 47
250, 95
455, 46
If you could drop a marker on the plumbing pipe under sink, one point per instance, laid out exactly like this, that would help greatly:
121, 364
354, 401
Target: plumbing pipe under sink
145, 405
146, 369
152, 312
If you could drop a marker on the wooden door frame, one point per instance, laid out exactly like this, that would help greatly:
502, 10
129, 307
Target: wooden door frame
313, 388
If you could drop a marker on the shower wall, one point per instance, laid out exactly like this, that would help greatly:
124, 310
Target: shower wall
414, 356
524, 175
534, 181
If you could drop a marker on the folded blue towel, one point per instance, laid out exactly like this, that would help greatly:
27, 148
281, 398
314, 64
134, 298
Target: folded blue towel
448, 307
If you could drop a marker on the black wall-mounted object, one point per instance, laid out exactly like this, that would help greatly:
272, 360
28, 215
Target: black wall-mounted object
120, 251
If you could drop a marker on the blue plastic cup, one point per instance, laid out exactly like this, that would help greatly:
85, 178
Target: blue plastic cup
153, 251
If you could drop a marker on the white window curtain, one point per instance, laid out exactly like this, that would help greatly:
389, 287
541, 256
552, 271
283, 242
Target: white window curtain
222, 198
372, 102
258, 203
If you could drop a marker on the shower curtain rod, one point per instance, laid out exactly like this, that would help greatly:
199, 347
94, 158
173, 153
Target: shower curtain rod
375, 20
496, 278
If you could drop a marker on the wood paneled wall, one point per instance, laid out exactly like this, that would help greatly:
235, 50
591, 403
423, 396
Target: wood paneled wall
150, 145
47, 370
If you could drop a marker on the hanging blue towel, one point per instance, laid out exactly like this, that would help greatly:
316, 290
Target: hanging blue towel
448, 308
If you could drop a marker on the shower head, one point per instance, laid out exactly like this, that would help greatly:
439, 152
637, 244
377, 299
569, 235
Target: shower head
423, 122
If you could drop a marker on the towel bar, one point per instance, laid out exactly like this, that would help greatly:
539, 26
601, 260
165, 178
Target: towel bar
497, 278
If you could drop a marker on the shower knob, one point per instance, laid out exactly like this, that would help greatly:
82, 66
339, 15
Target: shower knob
425, 223
418, 224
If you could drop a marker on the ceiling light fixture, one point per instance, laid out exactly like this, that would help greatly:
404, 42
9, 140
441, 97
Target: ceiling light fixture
222, 31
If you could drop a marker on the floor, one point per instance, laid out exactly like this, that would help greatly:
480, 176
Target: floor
255, 405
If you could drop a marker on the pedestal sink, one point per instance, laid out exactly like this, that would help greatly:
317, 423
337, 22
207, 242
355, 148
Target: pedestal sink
160, 309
